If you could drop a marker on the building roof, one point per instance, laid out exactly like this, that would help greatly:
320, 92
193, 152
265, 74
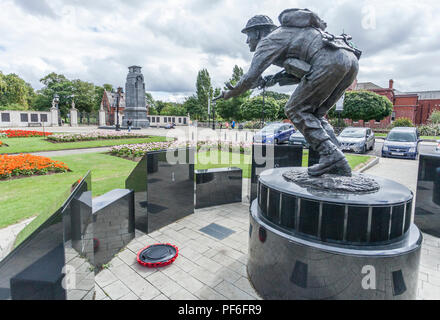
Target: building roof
367, 86
427, 95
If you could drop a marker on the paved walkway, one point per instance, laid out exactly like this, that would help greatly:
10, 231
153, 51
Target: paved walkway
208, 268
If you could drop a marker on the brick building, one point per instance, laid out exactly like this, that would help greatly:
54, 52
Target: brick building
108, 103
416, 106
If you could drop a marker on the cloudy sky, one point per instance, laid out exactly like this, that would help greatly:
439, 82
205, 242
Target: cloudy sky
96, 40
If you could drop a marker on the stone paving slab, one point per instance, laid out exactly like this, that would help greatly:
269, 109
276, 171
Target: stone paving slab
208, 268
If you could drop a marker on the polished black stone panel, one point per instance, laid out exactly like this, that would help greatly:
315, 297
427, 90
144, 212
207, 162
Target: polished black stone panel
355, 218
113, 218
287, 266
427, 209
217, 231
268, 156
170, 186
137, 181
218, 186
54, 261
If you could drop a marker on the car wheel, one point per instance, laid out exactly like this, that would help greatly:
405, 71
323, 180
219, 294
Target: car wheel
275, 141
372, 147
364, 149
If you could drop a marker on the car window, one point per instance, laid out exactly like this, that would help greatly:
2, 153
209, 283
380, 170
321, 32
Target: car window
401, 136
353, 133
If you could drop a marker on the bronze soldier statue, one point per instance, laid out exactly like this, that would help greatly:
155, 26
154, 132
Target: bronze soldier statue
322, 65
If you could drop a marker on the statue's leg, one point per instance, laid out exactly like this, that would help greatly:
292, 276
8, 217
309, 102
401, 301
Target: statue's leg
313, 90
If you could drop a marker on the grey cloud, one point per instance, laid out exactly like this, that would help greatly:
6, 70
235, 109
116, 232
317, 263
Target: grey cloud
36, 7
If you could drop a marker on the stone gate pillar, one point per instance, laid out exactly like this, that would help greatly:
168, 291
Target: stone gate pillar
73, 116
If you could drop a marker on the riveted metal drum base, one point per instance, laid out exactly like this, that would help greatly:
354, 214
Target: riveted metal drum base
284, 265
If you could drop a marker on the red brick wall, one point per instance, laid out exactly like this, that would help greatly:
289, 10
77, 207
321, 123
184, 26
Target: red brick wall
426, 107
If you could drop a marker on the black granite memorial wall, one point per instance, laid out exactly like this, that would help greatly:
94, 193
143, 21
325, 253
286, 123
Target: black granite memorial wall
113, 219
167, 176
268, 156
55, 261
427, 210
218, 186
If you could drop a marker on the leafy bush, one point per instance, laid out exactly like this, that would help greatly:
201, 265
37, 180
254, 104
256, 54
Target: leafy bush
402, 122
435, 117
430, 130
252, 124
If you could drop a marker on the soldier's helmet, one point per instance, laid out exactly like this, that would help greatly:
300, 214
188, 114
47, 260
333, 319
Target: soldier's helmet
259, 21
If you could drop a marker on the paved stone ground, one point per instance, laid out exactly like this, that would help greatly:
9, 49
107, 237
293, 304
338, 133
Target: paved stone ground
405, 172
208, 268
8, 236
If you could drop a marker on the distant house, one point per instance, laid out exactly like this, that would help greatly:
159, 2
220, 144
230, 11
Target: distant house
108, 103
416, 106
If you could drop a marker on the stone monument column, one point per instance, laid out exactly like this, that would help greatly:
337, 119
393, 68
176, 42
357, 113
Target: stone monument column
135, 104
54, 114
73, 115
102, 116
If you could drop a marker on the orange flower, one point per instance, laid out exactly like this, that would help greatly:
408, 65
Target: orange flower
26, 164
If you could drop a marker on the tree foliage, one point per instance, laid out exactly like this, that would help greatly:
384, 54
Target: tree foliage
252, 108
366, 106
204, 92
231, 109
15, 93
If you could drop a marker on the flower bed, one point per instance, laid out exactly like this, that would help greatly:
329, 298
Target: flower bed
27, 165
138, 150
24, 133
95, 135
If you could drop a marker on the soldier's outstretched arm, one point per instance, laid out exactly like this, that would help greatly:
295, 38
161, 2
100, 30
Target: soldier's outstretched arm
268, 50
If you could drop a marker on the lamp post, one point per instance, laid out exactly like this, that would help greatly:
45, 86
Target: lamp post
118, 98
213, 115
56, 99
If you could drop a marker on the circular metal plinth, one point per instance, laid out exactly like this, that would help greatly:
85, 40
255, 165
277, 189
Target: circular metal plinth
285, 266
356, 218
157, 255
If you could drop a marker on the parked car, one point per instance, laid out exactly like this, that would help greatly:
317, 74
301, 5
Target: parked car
356, 139
275, 132
401, 142
170, 126
437, 149
298, 139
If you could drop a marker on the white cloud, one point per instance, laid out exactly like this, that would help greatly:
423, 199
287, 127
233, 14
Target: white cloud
172, 40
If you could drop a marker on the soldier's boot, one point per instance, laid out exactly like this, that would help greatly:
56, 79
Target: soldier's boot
331, 160
331, 133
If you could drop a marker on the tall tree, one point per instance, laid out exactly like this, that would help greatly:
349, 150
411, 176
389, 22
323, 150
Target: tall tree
204, 91
15, 93
230, 109
193, 107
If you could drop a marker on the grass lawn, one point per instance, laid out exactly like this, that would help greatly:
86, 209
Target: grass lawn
35, 144
41, 195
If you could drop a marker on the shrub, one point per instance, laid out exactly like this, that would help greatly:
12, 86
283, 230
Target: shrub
402, 122
435, 117
429, 130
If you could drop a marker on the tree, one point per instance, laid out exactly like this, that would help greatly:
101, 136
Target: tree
204, 91
107, 87
193, 107
366, 106
160, 105
252, 108
281, 99
173, 109
15, 93
54, 84
231, 109
84, 96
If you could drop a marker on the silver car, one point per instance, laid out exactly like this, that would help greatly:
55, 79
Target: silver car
437, 148
358, 140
